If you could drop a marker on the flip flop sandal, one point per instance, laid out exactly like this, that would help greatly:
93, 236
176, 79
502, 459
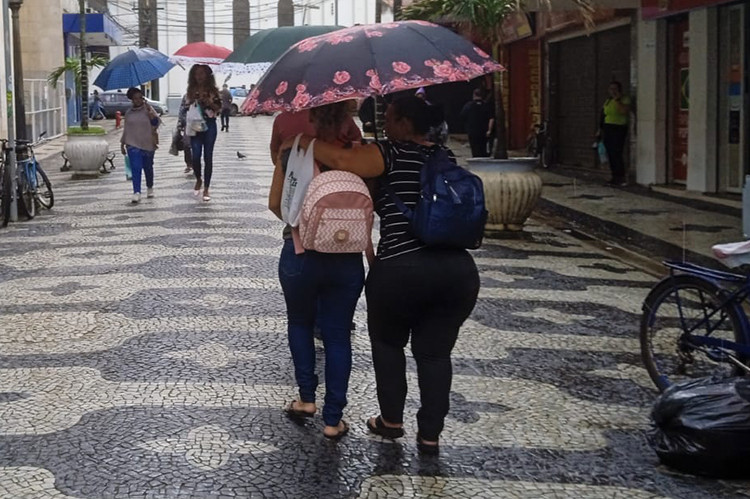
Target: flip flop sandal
297, 413
384, 431
340, 434
427, 449
206, 198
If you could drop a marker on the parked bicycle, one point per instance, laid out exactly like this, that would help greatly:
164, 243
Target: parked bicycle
539, 145
34, 190
694, 322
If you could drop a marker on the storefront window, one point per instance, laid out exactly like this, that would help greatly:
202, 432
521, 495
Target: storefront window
733, 101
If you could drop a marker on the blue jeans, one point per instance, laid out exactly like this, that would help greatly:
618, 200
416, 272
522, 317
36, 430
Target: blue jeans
203, 143
141, 160
322, 289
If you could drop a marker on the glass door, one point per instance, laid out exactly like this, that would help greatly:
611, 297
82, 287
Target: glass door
679, 98
733, 98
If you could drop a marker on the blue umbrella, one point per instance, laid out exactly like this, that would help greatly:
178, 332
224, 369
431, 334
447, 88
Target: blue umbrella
134, 67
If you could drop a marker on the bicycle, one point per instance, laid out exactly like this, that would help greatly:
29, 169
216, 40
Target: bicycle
694, 322
539, 145
34, 190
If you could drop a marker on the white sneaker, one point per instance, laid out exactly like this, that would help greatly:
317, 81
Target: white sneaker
136, 198
150, 192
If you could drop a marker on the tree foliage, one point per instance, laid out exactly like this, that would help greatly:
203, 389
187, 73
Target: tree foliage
73, 65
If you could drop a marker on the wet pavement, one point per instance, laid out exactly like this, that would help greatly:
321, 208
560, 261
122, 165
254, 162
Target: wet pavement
143, 354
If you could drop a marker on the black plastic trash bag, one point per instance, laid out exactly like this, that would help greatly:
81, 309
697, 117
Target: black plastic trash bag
702, 427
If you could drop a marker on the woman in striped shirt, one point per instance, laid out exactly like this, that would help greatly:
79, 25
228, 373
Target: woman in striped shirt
412, 290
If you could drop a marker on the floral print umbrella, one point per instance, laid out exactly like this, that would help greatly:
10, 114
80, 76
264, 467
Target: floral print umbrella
365, 60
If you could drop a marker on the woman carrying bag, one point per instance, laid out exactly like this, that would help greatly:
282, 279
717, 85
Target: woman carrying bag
200, 108
139, 142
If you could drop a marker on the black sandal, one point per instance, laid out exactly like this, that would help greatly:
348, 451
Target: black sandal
384, 431
427, 449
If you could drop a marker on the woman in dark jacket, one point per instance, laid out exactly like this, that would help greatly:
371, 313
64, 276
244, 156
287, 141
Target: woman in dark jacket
413, 291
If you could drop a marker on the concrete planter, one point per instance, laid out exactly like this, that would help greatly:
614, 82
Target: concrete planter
511, 189
86, 154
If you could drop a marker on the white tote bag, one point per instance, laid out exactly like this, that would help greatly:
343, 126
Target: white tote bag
300, 170
194, 121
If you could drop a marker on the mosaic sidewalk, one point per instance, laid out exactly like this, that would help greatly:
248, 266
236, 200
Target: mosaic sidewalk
143, 354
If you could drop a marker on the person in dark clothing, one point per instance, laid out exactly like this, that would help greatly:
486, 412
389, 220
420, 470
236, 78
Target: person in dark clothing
226, 107
613, 131
476, 116
366, 115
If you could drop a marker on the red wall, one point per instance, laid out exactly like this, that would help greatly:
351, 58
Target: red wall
525, 93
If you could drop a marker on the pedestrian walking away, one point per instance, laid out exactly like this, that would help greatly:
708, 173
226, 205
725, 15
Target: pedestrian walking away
476, 117
320, 289
412, 290
613, 131
226, 107
203, 92
139, 141
96, 111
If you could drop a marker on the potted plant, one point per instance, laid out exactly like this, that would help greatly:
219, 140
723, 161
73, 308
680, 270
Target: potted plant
512, 188
86, 147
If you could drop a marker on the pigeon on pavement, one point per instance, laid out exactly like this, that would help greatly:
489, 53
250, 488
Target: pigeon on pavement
240, 155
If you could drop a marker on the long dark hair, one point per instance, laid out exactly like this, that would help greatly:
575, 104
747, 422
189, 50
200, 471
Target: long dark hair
422, 115
194, 86
328, 119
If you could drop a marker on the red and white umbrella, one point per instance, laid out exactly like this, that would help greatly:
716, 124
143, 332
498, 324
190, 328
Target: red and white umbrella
200, 53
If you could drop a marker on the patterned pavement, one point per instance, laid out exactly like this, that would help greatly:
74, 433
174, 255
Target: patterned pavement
143, 354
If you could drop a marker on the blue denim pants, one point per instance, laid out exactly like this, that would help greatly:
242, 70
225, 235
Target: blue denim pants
141, 161
202, 143
322, 289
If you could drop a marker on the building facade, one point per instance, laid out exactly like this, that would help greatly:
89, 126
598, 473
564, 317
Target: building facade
694, 94
226, 23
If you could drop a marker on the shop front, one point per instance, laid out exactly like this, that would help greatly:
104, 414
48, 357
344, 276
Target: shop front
581, 67
708, 92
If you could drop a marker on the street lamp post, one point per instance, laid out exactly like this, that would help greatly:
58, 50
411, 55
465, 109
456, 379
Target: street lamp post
15, 6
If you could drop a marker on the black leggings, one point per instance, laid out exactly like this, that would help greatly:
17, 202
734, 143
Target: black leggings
614, 142
427, 295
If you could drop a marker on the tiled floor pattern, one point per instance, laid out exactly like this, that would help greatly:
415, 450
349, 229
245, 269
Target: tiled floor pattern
143, 354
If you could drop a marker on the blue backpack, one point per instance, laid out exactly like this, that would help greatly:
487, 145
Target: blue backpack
450, 211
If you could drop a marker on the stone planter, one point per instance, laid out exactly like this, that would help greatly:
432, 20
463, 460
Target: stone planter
86, 153
511, 189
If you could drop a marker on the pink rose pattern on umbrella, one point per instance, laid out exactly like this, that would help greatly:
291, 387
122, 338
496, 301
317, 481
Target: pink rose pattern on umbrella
341, 77
307, 45
401, 67
349, 80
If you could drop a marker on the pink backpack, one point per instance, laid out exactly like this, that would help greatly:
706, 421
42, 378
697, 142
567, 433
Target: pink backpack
337, 214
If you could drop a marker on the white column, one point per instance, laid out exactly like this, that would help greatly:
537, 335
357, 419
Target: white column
702, 127
651, 103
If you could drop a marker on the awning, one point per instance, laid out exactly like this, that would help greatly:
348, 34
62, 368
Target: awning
101, 29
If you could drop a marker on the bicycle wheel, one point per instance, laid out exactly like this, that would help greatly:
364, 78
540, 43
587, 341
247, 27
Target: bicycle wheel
26, 203
43, 195
4, 195
676, 305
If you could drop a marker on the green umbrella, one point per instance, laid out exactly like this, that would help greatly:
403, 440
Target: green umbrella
260, 50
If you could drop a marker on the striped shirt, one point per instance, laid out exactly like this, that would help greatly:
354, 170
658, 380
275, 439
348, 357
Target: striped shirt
403, 162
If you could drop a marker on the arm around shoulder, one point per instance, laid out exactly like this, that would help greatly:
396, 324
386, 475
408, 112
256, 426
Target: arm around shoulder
365, 161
